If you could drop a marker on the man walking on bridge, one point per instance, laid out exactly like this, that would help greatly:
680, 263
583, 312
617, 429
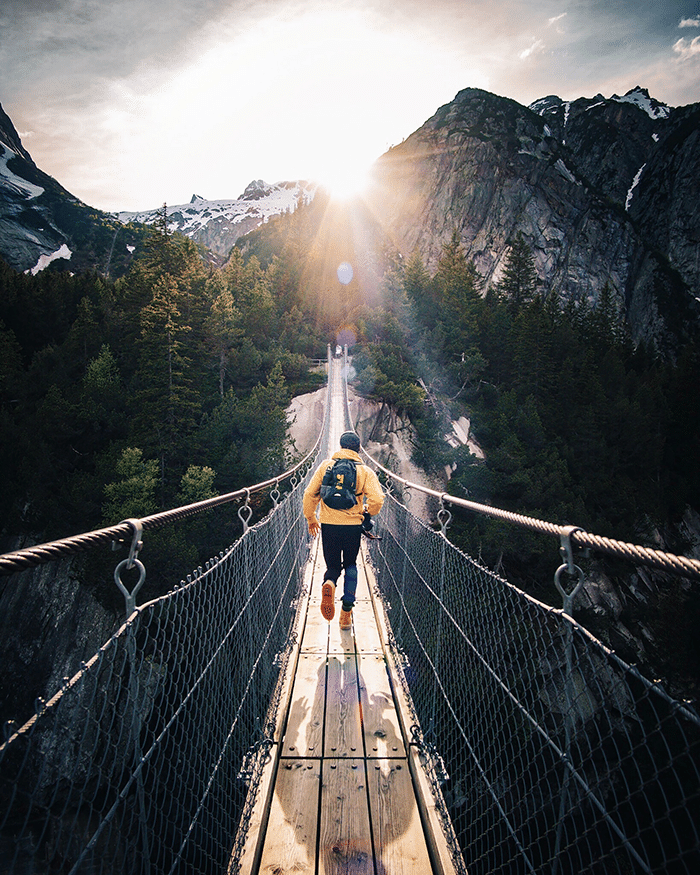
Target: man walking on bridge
341, 485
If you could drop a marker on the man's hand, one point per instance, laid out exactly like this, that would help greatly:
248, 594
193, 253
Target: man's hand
314, 527
367, 523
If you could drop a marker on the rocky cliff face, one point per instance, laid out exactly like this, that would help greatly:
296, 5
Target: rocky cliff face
50, 621
609, 139
666, 201
590, 185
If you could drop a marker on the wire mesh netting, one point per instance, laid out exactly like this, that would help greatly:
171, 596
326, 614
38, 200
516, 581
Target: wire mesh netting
552, 754
142, 762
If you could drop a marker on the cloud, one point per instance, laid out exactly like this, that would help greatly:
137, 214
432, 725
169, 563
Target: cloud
686, 49
536, 47
138, 101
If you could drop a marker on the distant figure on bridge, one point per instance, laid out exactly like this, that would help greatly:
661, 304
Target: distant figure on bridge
342, 521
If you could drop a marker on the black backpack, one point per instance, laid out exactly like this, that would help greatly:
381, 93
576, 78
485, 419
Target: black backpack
338, 485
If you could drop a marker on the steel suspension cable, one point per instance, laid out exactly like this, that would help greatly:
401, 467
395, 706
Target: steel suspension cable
669, 562
579, 538
30, 557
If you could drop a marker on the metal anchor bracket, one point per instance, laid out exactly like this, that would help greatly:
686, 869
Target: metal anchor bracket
444, 517
569, 567
132, 562
245, 512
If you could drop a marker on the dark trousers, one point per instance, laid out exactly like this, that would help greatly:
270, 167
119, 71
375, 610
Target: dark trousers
341, 545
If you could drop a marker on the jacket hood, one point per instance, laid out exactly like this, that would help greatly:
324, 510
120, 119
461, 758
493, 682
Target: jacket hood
347, 454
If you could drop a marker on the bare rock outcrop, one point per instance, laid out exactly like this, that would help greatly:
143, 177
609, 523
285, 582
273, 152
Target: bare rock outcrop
588, 206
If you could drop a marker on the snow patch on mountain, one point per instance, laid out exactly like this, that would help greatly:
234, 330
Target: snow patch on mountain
638, 97
45, 260
635, 183
20, 186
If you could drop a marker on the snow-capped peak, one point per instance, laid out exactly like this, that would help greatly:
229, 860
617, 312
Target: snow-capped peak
640, 97
219, 223
550, 103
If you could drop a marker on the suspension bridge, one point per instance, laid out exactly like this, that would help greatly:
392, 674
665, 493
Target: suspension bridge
459, 726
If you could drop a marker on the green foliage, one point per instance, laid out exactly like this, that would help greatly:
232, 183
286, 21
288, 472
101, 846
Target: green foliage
101, 374
383, 366
577, 425
11, 371
197, 484
133, 493
90, 369
519, 281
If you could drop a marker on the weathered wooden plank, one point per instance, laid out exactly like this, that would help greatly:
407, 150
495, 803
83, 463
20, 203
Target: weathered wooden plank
382, 729
315, 637
362, 593
343, 733
366, 636
399, 842
341, 641
290, 840
345, 845
440, 836
304, 732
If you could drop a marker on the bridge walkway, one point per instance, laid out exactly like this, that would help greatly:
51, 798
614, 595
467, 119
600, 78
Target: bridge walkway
344, 791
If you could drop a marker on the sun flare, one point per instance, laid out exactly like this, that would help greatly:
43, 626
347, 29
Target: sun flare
345, 181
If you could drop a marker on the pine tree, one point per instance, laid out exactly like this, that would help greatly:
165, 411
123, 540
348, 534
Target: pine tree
531, 342
457, 281
222, 326
519, 281
132, 494
417, 284
166, 399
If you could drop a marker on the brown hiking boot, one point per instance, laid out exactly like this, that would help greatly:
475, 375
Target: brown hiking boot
345, 619
327, 600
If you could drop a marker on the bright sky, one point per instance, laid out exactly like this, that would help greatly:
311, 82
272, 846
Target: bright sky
130, 103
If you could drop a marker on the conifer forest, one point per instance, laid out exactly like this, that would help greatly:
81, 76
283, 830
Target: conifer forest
119, 398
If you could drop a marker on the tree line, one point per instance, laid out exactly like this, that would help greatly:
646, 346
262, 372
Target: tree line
166, 386
578, 424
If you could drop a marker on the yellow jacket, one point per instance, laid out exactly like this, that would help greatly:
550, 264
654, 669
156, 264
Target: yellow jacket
366, 487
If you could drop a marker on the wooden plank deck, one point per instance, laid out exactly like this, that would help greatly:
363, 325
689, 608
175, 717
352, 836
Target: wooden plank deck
344, 791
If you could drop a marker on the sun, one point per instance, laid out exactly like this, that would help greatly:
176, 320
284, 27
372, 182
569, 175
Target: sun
345, 180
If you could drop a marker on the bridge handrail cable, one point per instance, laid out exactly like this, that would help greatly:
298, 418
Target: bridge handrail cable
579, 537
574, 535
30, 557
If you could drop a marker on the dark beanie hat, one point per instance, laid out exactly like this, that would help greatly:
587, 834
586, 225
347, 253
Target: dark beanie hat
350, 441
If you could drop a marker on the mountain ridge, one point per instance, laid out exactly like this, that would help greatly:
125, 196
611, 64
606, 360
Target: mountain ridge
489, 168
603, 190
218, 224
42, 222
